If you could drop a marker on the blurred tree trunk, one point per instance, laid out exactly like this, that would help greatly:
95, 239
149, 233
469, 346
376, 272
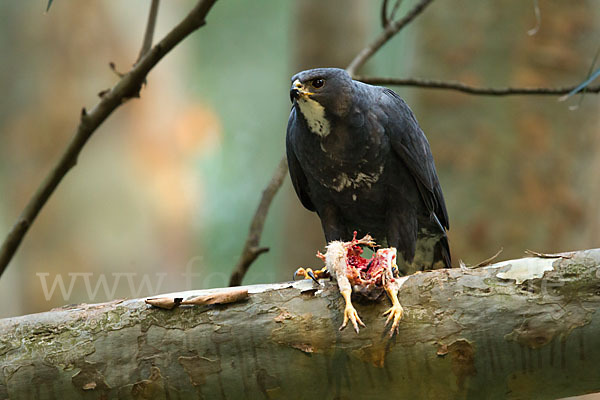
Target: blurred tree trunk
326, 34
466, 334
517, 172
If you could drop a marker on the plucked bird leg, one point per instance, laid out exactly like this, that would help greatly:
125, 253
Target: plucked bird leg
336, 262
350, 313
395, 312
391, 283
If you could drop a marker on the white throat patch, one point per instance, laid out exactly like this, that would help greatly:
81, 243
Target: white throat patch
314, 113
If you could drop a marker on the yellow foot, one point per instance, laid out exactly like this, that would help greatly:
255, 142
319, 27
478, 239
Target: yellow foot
310, 274
394, 314
350, 314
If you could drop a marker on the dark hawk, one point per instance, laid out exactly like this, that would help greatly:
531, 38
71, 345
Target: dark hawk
358, 158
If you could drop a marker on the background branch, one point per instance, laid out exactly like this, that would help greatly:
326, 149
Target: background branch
128, 86
391, 29
384, 14
461, 87
252, 247
150, 26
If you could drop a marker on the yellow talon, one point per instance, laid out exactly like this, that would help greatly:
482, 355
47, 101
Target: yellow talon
395, 312
321, 273
308, 273
300, 272
350, 313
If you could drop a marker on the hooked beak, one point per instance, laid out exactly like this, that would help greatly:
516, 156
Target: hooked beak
298, 90
294, 94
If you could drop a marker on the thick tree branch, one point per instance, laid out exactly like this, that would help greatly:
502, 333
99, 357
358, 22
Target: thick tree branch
129, 86
252, 247
513, 329
464, 88
391, 29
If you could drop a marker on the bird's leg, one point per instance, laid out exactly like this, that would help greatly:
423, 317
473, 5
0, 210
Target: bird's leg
395, 312
321, 273
308, 273
350, 312
336, 263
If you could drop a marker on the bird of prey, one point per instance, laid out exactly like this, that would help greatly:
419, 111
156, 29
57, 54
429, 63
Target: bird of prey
358, 158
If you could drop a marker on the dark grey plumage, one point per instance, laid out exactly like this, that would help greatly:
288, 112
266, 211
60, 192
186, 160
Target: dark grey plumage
358, 158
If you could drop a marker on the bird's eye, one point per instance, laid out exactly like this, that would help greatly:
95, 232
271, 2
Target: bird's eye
318, 83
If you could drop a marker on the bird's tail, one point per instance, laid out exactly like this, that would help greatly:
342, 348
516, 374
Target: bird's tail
442, 252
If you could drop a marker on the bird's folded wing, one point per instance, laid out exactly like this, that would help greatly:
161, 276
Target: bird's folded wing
296, 173
410, 144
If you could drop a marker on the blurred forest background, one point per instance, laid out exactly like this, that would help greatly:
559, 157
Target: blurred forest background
164, 191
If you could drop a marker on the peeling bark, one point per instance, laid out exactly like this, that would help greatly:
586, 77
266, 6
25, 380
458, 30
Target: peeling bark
465, 334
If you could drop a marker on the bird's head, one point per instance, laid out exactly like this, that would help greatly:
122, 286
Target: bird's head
331, 88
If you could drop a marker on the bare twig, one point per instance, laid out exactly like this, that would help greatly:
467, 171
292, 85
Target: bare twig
583, 86
461, 87
127, 87
483, 263
395, 8
390, 30
384, 14
489, 260
150, 25
549, 255
251, 248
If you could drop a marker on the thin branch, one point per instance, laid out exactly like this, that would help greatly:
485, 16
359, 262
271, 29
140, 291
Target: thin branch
384, 14
394, 9
480, 264
150, 26
549, 255
461, 87
390, 30
583, 86
129, 86
252, 247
